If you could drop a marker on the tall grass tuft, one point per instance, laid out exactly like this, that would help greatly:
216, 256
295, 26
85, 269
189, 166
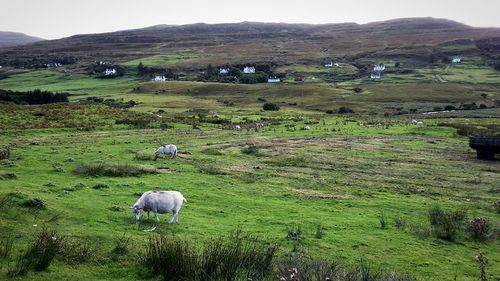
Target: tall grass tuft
113, 170
220, 259
39, 255
170, 258
446, 224
77, 251
6, 246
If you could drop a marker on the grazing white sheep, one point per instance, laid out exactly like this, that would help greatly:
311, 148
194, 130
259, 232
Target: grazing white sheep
159, 202
307, 127
420, 123
414, 122
237, 127
168, 149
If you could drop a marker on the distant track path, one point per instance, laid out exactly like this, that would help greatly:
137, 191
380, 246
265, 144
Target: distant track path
440, 78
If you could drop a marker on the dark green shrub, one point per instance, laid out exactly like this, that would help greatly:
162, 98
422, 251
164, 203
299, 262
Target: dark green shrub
34, 203
121, 247
5, 153
39, 255
479, 229
399, 223
271, 106
445, 224
294, 233
344, 110
100, 185
8, 176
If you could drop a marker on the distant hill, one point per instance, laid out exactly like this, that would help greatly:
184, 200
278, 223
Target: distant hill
258, 42
14, 38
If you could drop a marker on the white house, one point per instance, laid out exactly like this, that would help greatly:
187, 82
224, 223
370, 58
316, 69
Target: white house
249, 69
159, 78
223, 71
336, 65
379, 67
110, 71
273, 79
376, 75
329, 64
457, 60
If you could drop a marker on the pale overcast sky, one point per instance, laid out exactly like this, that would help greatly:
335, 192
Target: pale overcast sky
60, 18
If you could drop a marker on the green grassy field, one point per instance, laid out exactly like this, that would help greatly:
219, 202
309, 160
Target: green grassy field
342, 173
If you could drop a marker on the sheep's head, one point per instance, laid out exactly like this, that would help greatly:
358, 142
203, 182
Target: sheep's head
137, 210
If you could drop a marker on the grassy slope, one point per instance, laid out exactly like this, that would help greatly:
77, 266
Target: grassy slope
342, 180
340, 174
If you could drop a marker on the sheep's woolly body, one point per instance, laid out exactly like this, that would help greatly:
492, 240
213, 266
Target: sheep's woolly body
160, 202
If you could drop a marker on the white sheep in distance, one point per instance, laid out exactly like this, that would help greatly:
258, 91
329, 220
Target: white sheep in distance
237, 127
167, 149
159, 202
420, 123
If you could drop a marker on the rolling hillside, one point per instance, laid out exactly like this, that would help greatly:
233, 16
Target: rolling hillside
257, 42
13, 39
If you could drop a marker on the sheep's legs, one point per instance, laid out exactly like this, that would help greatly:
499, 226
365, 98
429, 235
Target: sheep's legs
156, 217
174, 218
148, 215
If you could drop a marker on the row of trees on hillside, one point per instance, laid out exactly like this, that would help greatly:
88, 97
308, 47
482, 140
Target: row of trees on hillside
33, 97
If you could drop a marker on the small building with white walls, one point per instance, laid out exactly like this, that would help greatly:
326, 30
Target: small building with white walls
249, 69
159, 78
223, 71
110, 71
375, 76
379, 67
457, 60
273, 79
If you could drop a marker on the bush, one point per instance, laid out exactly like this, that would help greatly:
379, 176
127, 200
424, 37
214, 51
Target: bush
399, 223
445, 224
77, 251
294, 233
39, 255
271, 106
479, 229
8, 176
5, 153
344, 110
34, 203
100, 185
121, 247
113, 170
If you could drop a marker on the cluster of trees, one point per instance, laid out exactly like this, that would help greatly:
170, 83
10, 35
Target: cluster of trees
33, 97
40, 62
118, 103
149, 72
